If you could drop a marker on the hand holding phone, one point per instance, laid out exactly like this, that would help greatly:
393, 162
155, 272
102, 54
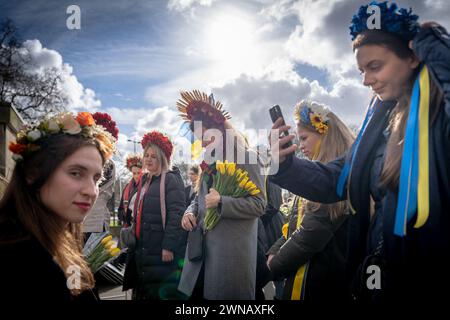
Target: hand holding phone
287, 148
275, 113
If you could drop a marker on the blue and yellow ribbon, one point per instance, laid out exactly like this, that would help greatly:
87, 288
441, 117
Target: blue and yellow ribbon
414, 179
343, 177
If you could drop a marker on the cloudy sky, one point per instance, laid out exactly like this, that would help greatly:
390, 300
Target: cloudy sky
131, 58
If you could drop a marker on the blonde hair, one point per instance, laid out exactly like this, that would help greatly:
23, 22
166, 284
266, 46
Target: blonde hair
334, 143
164, 163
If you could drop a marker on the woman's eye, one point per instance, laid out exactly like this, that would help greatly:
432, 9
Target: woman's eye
375, 67
75, 174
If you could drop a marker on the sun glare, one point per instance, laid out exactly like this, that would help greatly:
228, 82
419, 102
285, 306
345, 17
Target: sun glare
231, 41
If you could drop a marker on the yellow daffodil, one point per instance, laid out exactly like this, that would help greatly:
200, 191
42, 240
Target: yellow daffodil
231, 168
114, 252
243, 182
249, 184
220, 166
255, 192
106, 240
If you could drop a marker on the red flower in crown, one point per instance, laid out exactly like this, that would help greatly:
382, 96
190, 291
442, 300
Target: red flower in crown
105, 120
159, 139
134, 161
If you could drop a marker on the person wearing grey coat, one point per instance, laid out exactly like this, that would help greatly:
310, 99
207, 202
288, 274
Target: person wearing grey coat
227, 268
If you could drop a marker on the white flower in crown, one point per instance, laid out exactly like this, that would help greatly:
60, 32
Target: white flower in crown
304, 107
320, 109
34, 135
53, 126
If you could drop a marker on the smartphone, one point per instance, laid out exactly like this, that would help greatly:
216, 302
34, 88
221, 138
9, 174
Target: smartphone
275, 113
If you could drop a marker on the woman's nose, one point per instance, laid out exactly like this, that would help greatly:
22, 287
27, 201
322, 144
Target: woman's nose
368, 80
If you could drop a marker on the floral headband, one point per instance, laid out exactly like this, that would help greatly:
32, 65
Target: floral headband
134, 160
159, 139
196, 105
400, 22
105, 120
31, 138
312, 114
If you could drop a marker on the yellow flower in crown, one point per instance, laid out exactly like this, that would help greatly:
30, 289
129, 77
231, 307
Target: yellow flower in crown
312, 114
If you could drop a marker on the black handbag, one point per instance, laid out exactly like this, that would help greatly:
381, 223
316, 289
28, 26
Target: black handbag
196, 244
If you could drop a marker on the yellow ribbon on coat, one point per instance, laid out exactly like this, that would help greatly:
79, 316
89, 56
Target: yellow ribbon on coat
300, 277
423, 188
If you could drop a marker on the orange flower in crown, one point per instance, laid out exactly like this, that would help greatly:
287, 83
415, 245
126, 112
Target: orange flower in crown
30, 138
160, 140
196, 105
85, 119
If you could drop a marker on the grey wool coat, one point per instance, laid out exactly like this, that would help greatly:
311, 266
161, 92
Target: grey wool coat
230, 247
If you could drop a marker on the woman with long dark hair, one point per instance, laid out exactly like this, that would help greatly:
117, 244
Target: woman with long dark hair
53, 187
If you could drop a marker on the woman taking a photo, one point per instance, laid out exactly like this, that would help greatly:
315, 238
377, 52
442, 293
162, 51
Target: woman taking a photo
312, 252
400, 160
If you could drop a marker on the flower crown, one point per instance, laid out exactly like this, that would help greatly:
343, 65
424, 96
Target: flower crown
313, 114
134, 160
105, 120
400, 22
196, 105
32, 137
159, 139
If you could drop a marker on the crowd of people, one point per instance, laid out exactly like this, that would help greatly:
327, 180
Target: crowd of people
380, 198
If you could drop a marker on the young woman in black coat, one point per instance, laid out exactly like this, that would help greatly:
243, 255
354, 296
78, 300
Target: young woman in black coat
407, 239
311, 254
53, 187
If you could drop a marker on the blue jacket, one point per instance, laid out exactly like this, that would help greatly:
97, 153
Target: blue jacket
413, 263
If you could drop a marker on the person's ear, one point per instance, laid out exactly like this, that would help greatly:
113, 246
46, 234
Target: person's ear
414, 62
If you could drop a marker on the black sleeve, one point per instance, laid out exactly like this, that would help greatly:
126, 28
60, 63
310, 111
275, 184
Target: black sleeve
315, 232
432, 46
174, 236
311, 180
276, 246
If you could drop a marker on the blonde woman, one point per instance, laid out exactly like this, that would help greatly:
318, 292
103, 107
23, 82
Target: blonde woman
312, 252
153, 260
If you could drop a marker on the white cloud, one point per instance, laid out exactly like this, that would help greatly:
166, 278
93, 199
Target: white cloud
78, 97
182, 5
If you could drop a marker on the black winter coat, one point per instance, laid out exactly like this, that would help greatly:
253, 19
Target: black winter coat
145, 269
321, 242
125, 217
28, 272
412, 264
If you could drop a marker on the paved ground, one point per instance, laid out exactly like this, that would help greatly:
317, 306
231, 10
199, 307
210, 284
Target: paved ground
116, 293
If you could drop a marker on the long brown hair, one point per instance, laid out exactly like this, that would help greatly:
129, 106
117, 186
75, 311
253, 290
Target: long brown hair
21, 203
399, 115
334, 143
